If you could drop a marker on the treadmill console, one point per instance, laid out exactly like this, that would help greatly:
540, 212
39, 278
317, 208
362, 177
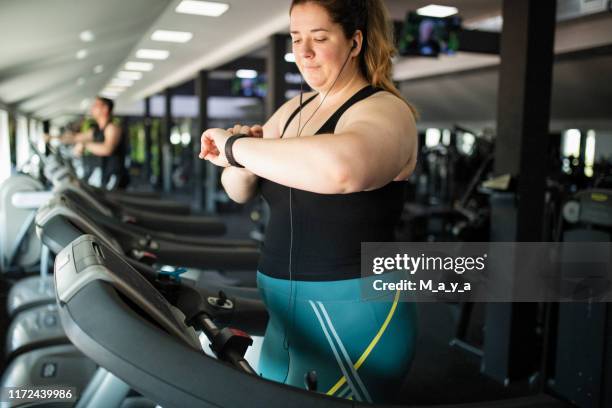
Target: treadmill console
87, 259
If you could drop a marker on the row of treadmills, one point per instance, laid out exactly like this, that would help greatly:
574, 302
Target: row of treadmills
157, 238
119, 320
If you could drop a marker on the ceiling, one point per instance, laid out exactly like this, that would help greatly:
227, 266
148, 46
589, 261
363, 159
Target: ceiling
41, 76
39, 71
470, 98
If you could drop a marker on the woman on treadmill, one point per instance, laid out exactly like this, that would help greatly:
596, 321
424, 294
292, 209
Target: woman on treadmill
327, 162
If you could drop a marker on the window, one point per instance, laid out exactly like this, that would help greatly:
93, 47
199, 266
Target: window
5, 148
23, 148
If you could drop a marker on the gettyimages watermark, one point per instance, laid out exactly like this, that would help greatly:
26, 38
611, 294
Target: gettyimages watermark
488, 271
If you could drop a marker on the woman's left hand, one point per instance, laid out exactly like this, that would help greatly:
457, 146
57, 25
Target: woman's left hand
213, 146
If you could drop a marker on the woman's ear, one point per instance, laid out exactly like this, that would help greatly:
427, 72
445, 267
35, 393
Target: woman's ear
357, 43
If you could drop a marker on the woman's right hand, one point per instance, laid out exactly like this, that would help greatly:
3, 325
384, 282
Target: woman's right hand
252, 131
240, 184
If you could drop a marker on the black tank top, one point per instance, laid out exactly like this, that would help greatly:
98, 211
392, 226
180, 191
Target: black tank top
328, 229
114, 164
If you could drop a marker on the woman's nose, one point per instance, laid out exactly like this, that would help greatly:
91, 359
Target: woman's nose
305, 50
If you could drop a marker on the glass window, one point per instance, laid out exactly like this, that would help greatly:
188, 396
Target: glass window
23, 148
5, 147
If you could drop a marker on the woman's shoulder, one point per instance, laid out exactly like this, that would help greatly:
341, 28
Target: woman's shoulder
386, 97
382, 105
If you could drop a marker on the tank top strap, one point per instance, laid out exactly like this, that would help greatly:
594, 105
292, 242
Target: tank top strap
330, 125
299, 108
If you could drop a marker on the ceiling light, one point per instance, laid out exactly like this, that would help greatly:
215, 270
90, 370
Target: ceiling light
87, 36
98, 69
289, 57
495, 24
138, 66
202, 8
152, 54
80, 81
246, 73
433, 10
115, 88
131, 75
171, 36
109, 93
84, 103
82, 54
121, 82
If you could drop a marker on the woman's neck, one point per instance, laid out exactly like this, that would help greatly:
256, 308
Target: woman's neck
347, 85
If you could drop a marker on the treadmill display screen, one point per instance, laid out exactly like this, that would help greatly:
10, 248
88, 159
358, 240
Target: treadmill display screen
88, 252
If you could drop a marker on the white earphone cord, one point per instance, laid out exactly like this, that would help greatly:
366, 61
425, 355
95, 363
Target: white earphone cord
290, 307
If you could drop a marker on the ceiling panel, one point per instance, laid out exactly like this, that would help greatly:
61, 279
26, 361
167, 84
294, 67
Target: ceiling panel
38, 63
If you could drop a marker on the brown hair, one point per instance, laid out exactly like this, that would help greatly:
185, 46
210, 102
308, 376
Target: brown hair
372, 19
107, 102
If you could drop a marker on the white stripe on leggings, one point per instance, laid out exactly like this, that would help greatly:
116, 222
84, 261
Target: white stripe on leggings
345, 354
333, 347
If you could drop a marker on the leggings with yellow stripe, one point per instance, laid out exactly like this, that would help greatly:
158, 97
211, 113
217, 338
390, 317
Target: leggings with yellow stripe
360, 349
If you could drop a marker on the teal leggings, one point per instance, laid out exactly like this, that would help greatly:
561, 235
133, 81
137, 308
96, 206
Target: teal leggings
360, 349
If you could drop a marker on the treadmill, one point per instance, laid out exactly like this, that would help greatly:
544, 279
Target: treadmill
35, 322
65, 220
139, 335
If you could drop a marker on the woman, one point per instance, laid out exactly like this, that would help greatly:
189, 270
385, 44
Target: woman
327, 170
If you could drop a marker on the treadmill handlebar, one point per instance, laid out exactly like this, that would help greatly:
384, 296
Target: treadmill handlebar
229, 344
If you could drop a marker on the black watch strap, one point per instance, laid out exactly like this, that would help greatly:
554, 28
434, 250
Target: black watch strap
229, 154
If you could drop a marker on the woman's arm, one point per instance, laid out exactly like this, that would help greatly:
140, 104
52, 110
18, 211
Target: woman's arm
241, 184
375, 141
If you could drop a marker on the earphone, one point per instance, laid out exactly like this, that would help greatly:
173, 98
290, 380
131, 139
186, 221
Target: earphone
290, 307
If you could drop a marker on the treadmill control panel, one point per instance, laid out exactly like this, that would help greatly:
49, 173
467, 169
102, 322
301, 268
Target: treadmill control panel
86, 259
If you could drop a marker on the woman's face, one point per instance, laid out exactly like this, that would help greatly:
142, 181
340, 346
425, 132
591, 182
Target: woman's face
319, 45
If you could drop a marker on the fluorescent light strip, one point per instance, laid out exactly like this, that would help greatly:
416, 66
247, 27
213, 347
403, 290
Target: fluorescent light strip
87, 36
434, 10
130, 75
171, 36
115, 88
152, 54
138, 66
121, 82
246, 74
202, 8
